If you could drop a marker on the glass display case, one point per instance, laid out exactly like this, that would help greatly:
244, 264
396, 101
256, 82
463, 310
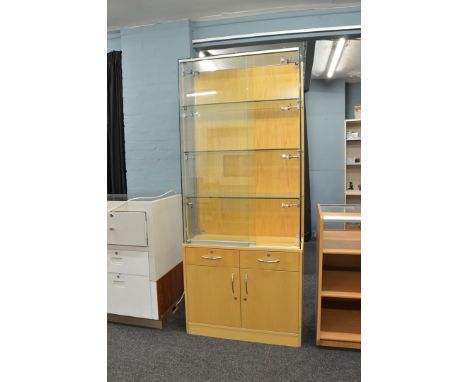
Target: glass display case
241, 143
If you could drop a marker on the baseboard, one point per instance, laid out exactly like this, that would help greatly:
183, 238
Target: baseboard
242, 334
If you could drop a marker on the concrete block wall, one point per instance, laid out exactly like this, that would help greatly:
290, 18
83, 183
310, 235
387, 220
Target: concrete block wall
325, 106
150, 94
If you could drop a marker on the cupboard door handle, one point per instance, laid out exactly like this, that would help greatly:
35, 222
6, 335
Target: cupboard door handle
232, 282
212, 258
111, 228
268, 261
246, 281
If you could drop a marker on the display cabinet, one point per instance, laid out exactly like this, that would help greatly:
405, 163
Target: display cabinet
338, 300
242, 180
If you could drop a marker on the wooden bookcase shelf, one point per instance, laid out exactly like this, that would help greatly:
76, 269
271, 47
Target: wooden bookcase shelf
341, 284
338, 298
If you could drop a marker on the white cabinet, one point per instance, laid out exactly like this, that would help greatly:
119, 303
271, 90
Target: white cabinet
128, 262
128, 295
127, 228
144, 244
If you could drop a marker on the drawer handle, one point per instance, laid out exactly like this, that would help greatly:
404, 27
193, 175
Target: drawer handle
119, 283
116, 259
212, 258
268, 261
111, 229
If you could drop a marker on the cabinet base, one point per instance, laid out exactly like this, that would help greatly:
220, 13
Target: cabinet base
137, 321
339, 344
242, 334
145, 322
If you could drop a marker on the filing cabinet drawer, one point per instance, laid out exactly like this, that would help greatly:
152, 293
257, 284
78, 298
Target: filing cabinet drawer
273, 260
214, 257
127, 228
128, 295
129, 262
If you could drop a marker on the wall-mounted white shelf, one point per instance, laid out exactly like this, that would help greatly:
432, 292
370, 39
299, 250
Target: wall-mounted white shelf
352, 149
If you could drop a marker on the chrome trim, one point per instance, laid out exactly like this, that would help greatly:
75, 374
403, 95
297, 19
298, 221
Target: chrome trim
239, 54
277, 33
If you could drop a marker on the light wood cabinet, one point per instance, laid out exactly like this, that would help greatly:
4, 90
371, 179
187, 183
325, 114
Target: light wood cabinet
338, 302
268, 301
242, 134
217, 299
253, 301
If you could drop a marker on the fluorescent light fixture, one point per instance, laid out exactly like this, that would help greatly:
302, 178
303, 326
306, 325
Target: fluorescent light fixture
336, 57
211, 92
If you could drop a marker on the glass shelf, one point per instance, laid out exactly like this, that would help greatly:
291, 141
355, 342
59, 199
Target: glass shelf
240, 78
241, 103
244, 196
258, 125
349, 213
242, 150
257, 172
250, 221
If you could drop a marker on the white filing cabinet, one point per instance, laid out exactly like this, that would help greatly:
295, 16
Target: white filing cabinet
144, 258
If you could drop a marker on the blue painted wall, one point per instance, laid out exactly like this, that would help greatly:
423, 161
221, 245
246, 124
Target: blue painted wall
353, 98
325, 106
275, 22
113, 41
151, 108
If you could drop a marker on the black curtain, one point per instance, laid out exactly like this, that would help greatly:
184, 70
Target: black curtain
116, 169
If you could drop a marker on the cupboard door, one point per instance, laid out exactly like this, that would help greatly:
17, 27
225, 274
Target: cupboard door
127, 228
270, 300
213, 295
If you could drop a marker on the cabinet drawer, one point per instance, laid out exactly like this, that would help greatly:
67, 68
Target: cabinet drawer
128, 295
127, 228
281, 261
212, 257
129, 262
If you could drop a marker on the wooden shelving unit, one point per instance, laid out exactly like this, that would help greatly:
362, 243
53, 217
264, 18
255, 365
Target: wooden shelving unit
338, 300
352, 149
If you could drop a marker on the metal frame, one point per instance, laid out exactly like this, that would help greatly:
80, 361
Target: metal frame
254, 53
278, 33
